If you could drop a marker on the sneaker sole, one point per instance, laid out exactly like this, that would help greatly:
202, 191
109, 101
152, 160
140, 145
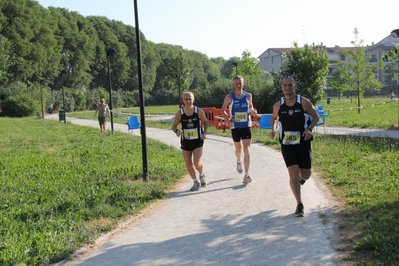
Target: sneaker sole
203, 185
299, 214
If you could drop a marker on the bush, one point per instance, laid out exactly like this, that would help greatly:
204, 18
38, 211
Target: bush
18, 106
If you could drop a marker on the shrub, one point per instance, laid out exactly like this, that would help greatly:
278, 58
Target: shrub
18, 106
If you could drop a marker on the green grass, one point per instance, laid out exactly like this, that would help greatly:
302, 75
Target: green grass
63, 185
375, 113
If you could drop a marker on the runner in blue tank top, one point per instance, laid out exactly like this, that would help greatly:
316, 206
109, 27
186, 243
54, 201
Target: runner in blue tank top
241, 109
295, 134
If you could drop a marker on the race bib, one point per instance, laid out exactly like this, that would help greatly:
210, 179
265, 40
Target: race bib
291, 137
190, 133
241, 117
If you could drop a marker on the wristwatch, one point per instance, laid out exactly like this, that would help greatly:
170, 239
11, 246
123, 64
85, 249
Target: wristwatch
310, 128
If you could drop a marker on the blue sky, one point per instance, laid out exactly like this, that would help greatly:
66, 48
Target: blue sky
228, 27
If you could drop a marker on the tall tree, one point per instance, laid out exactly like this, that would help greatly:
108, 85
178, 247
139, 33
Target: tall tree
309, 66
247, 66
357, 72
6, 55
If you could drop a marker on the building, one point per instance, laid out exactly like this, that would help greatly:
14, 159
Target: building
271, 59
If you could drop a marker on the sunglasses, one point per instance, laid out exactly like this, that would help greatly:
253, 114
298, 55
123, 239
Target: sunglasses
288, 76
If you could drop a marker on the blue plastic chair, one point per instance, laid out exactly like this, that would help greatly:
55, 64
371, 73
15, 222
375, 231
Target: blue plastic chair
323, 114
133, 123
265, 121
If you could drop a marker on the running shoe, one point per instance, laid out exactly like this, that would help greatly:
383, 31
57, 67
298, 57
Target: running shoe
247, 179
239, 167
202, 180
302, 181
195, 186
299, 212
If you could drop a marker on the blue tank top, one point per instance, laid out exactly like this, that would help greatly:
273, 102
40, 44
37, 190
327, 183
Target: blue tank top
239, 111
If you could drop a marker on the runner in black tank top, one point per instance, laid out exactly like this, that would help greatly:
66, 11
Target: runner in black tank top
192, 137
295, 134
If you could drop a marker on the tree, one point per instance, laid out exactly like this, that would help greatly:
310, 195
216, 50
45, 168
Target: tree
5, 59
357, 72
337, 82
247, 66
309, 66
391, 71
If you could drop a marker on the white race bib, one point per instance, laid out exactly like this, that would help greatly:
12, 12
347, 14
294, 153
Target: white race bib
241, 117
190, 133
291, 137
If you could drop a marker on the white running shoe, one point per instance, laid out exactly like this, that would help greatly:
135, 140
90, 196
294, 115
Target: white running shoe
202, 180
247, 180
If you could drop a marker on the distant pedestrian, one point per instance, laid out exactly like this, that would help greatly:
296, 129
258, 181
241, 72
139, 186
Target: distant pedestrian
292, 112
103, 113
391, 94
192, 137
241, 109
50, 108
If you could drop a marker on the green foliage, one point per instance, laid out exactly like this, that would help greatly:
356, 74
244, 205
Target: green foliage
357, 73
18, 106
63, 185
6, 59
309, 66
247, 66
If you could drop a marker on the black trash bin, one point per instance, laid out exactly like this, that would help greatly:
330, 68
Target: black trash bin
328, 100
61, 115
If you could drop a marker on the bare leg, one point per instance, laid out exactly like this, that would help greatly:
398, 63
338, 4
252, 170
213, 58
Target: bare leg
189, 164
197, 160
293, 172
247, 154
238, 146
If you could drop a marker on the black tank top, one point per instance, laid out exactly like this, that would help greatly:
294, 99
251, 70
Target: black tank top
191, 125
292, 118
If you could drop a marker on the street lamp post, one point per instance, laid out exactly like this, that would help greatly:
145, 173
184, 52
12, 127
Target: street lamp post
236, 66
63, 72
395, 34
141, 95
178, 83
110, 52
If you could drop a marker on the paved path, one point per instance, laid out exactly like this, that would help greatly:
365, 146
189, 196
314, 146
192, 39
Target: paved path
224, 223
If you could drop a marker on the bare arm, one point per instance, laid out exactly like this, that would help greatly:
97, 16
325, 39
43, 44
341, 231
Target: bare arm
252, 110
108, 111
309, 108
276, 107
176, 122
203, 118
226, 102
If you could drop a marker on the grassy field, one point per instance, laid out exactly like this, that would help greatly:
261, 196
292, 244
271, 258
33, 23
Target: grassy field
63, 185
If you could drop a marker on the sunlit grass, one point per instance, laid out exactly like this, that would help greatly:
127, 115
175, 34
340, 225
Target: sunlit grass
62, 185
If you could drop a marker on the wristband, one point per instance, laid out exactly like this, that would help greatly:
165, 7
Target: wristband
310, 128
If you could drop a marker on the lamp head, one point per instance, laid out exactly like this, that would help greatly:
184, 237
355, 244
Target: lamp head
111, 52
395, 33
234, 64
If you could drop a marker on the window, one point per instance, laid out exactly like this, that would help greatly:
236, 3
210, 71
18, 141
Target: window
373, 58
342, 57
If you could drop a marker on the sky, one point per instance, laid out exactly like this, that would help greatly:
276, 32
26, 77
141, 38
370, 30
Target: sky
227, 28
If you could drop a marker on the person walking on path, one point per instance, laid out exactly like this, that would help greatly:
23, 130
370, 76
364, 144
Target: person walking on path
241, 108
103, 113
192, 137
292, 112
